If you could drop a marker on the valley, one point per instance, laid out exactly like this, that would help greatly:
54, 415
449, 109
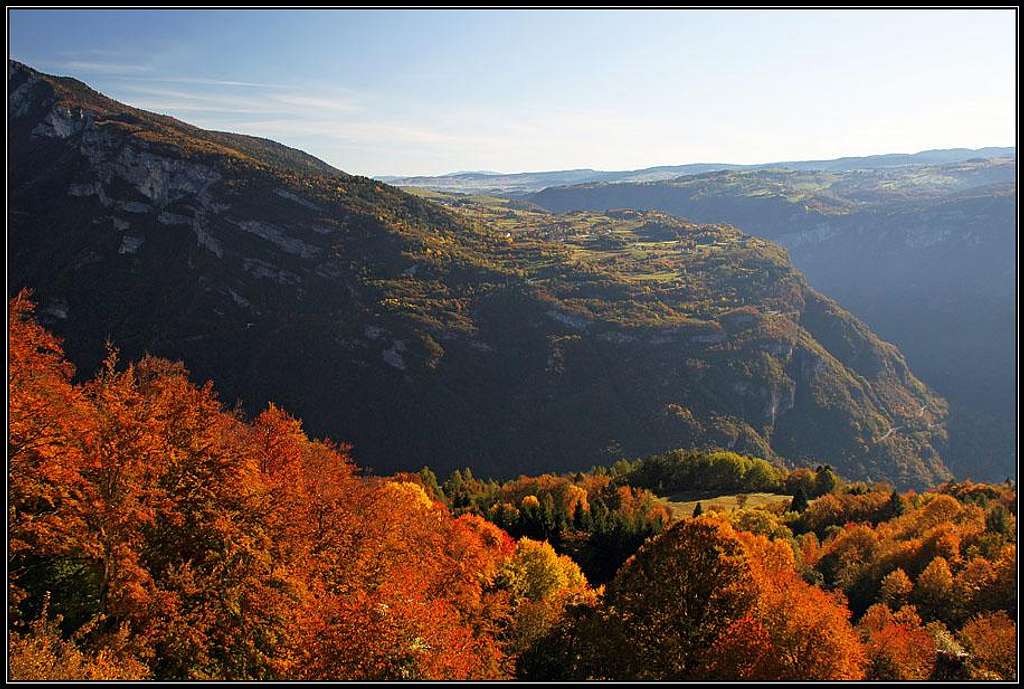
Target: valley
922, 253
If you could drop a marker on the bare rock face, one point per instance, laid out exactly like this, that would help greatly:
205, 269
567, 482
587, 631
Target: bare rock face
779, 401
159, 179
279, 236
20, 99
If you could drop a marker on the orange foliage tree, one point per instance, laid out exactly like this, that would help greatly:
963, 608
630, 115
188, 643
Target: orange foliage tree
898, 646
704, 601
992, 640
155, 534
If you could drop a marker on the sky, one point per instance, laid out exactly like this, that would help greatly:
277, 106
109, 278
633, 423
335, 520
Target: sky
382, 92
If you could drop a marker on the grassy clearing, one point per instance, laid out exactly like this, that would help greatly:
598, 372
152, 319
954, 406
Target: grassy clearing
682, 504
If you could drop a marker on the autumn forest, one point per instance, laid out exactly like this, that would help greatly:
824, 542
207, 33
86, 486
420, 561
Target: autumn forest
157, 534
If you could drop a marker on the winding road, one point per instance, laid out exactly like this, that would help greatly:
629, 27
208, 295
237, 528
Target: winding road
920, 413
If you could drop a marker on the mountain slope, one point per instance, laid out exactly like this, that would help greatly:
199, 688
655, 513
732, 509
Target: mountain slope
516, 184
450, 331
924, 254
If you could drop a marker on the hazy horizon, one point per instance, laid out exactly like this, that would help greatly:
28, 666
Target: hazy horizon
694, 162
431, 92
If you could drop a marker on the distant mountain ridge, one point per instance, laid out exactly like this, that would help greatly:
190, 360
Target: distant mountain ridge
528, 182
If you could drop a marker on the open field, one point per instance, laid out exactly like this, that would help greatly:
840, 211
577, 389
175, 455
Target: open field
682, 504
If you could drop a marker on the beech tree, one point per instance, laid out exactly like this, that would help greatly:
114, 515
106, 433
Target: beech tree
992, 640
898, 646
895, 589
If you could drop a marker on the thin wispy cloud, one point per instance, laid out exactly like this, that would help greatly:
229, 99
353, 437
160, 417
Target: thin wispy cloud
222, 99
363, 131
124, 69
317, 103
101, 67
205, 82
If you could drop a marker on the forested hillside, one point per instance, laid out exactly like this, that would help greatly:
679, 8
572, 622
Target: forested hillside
442, 331
921, 253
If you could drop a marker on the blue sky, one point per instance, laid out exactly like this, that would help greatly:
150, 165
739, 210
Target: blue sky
418, 92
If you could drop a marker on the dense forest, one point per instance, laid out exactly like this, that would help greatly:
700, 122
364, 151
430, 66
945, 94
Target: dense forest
156, 533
